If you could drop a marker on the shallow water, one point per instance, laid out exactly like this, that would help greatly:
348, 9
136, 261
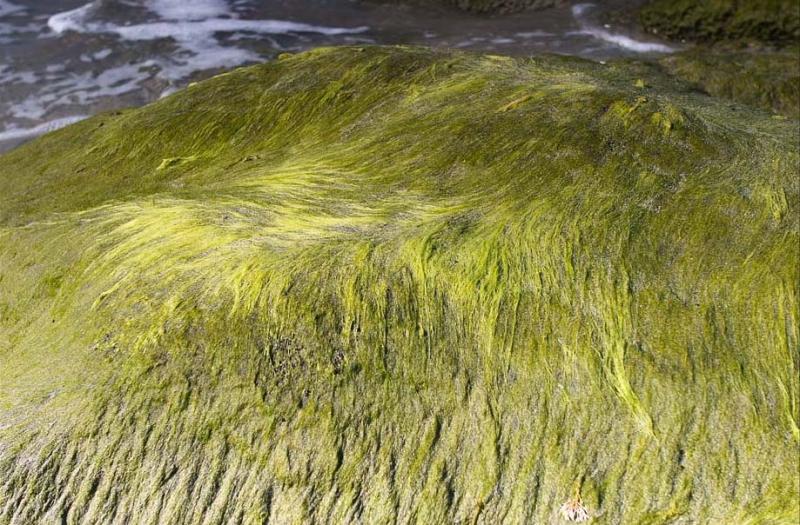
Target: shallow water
63, 60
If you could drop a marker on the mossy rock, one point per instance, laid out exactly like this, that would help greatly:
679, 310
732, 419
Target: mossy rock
774, 21
393, 285
763, 78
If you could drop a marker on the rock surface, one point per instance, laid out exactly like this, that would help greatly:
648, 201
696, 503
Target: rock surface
391, 285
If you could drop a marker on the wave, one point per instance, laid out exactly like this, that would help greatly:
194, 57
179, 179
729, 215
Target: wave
193, 30
26, 133
617, 39
182, 23
7, 8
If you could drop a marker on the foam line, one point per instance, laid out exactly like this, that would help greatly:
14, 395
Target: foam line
616, 39
41, 129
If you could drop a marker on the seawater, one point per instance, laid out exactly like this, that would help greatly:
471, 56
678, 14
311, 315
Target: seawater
64, 60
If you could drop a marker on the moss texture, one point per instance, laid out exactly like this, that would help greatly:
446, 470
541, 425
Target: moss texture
775, 21
762, 78
391, 285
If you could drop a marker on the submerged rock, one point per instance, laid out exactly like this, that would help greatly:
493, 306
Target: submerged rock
750, 50
775, 21
769, 79
484, 6
397, 285
501, 6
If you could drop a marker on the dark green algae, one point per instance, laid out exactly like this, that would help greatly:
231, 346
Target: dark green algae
709, 21
393, 285
764, 78
748, 51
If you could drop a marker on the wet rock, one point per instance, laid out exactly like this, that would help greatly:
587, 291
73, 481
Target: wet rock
445, 288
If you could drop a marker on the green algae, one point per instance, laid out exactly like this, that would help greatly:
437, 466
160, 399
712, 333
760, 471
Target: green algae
767, 79
750, 52
773, 21
404, 286
174, 162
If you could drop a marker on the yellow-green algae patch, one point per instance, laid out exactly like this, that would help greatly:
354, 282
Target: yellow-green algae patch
392, 285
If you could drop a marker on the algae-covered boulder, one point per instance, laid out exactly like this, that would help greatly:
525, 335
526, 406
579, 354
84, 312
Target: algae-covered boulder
776, 21
392, 285
768, 79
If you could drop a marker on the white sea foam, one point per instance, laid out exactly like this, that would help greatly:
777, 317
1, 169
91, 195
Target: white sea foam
103, 53
8, 76
534, 34
77, 88
194, 29
201, 28
6, 8
15, 133
73, 20
189, 10
617, 39
578, 10
626, 41
185, 29
12, 26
